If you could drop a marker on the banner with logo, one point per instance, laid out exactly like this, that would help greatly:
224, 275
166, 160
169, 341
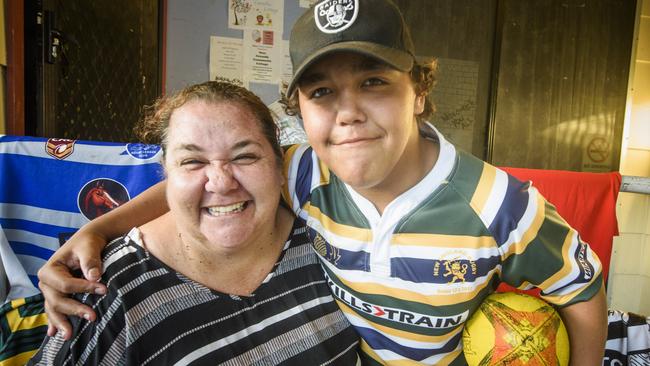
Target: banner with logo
51, 187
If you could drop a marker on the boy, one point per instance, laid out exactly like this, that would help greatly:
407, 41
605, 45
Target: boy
412, 233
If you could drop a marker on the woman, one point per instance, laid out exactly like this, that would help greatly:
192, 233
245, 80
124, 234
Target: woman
228, 275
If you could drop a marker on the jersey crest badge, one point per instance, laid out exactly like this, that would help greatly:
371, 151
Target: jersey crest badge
59, 148
325, 250
454, 267
333, 16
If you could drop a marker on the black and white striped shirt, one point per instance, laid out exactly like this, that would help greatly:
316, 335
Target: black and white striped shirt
153, 315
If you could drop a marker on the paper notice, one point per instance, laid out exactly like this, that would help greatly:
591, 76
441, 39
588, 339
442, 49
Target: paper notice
226, 58
262, 56
256, 14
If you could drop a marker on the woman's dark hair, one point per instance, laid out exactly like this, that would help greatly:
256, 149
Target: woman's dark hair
154, 126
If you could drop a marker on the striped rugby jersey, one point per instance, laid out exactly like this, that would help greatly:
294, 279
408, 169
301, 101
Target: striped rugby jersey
153, 315
410, 278
23, 325
44, 194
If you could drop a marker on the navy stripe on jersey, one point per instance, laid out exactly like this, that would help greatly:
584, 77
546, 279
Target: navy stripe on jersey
433, 271
511, 211
303, 180
345, 259
586, 269
378, 341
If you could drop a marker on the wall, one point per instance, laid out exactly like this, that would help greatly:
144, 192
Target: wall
629, 281
189, 27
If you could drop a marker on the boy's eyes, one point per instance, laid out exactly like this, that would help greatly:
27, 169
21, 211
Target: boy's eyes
322, 91
373, 81
319, 92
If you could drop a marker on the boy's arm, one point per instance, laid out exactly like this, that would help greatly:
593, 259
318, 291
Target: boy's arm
83, 251
586, 323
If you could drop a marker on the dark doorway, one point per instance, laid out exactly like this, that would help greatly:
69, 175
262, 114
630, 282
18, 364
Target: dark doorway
90, 66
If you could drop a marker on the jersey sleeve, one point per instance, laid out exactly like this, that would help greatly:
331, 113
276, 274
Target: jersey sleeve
538, 248
303, 172
552, 257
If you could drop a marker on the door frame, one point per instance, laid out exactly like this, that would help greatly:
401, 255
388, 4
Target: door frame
15, 67
15, 12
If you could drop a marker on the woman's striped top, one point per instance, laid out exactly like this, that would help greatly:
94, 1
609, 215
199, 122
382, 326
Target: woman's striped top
153, 315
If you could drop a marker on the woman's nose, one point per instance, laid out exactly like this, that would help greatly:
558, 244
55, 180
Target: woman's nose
220, 178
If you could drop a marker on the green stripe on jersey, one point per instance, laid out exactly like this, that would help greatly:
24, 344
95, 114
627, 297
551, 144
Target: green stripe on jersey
541, 254
434, 217
466, 175
334, 202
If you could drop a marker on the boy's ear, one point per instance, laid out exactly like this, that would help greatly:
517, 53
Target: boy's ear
418, 106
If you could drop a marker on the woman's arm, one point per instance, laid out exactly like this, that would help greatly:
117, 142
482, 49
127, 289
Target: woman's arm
586, 323
82, 251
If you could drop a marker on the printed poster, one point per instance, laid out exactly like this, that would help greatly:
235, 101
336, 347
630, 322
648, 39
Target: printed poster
307, 3
226, 55
256, 14
262, 56
287, 69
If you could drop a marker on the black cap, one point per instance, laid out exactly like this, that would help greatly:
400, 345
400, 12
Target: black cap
373, 28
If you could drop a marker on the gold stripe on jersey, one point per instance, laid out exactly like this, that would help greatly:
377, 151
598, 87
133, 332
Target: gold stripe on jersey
450, 357
530, 233
484, 187
347, 231
365, 348
411, 336
453, 298
17, 322
446, 241
324, 173
288, 155
19, 359
561, 300
566, 258
291, 150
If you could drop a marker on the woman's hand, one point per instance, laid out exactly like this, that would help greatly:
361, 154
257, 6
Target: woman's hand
82, 251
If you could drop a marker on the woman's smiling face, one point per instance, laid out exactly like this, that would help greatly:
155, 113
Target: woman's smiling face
223, 179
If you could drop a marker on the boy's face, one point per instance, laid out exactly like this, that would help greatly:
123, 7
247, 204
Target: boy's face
359, 115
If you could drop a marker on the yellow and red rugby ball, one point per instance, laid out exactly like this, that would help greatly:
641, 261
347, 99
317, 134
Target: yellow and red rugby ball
515, 329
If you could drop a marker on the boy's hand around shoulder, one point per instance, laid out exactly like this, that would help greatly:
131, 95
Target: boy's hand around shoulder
81, 252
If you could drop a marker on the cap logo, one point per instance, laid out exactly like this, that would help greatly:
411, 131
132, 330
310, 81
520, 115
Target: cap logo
333, 16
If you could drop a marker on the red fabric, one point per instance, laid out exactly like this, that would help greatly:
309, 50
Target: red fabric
587, 201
